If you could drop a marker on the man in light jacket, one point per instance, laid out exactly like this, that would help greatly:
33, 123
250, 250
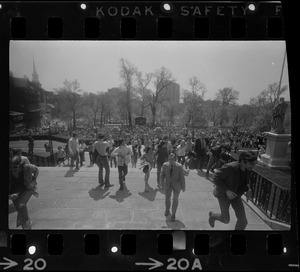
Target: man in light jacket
173, 174
123, 153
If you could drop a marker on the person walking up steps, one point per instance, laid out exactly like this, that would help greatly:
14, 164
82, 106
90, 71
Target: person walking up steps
161, 158
230, 184
61, 156
101, 148
123, 153
73, 146
147, 161
172, 171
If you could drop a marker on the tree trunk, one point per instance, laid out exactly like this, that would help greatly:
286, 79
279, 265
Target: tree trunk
153, 110
74, 120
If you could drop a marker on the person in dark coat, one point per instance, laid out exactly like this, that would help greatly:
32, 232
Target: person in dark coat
30, 144
214, 157
21, 188
161, 157
231, 182
200, 150
172, 171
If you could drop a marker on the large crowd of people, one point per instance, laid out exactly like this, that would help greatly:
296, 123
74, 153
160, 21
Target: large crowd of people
169, 149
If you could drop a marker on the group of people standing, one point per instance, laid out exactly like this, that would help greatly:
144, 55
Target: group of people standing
169, 157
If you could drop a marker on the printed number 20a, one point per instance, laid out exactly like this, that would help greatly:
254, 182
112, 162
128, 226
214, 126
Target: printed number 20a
183, 264
39, 264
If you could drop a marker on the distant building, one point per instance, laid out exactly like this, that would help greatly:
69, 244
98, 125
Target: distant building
171, 94
114, 93
28, 101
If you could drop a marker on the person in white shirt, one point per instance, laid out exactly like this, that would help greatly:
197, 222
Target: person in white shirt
123, 153
101, 147
73, 146
24, 160
181, 151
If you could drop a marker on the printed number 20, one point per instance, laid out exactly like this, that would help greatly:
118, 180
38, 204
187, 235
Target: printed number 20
39, 264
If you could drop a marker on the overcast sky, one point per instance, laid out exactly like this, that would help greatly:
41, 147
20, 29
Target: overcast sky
248, 67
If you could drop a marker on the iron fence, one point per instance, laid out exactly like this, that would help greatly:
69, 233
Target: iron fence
273, 200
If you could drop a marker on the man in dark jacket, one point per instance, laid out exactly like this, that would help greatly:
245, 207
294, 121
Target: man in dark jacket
214, 157
161, 157
230, 184
200, 150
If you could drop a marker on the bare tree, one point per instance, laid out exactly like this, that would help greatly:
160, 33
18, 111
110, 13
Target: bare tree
92, 106
71, 95
194, 99
162, 79
197, 87
144, 94
211, 110
259, 102
227, 96
127, 73
273, 93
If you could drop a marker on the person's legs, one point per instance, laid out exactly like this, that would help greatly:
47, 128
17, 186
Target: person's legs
77, 159
215, 165
100, 174
168, 192
81, 158
20, 204
211, 162
224, 216
201, 163
72, 161
125, 169
91, 157
120, 170
239, 209
174, 203
159, 165
107, 170
147, 175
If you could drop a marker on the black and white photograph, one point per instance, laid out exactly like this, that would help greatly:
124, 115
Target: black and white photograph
149, 135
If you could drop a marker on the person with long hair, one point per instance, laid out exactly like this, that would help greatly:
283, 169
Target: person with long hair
147, 161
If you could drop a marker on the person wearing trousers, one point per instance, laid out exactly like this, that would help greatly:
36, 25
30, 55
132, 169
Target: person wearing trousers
173, 173
123, 153
19, 192
101, 148
161, 157
231, 182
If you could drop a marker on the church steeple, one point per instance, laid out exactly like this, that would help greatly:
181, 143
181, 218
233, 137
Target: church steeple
35, 76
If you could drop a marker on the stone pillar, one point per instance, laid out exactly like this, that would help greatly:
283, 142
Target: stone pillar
277, 155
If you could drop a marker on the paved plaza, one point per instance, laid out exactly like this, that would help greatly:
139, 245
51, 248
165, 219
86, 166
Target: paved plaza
70, 199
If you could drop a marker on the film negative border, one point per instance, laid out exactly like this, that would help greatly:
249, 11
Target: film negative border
179, 250
142, 250
144, 20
